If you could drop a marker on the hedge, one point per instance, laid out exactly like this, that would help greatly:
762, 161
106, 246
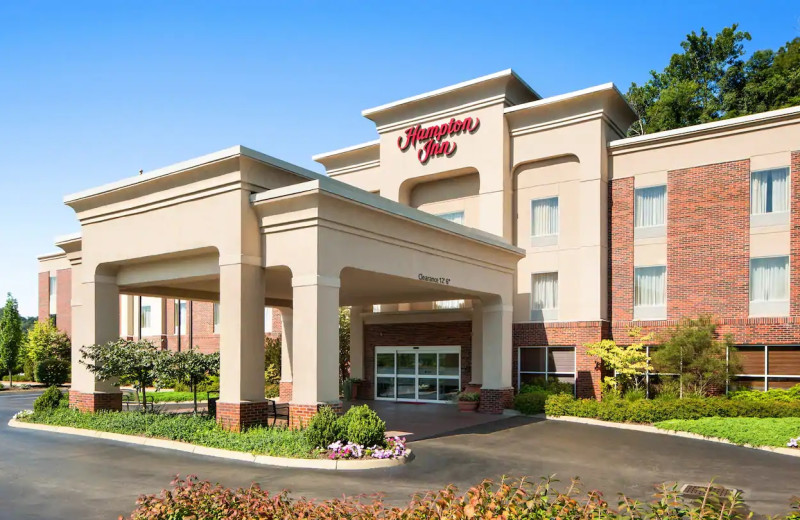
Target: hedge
513, 500
656, 410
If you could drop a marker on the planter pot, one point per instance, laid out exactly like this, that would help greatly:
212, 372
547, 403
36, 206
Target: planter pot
467, 406
354, 391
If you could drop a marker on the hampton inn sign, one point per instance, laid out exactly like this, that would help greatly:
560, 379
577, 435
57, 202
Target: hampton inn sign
432, 137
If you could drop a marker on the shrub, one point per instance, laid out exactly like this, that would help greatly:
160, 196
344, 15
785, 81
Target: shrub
361, 425
52, 372
272, 391
650, 411
530, 403
776, 394
635, 394
515, 499
49, 400
324, 428
469, 396
551, 386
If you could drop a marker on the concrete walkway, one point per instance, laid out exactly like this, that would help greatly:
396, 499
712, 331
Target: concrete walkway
52, 476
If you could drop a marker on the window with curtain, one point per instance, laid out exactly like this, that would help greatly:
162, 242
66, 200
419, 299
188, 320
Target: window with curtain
453, 216
146, 317
650, 206
216, 318
544, 296
769, 279
180, 317
650, 286
52, 288
267, 319
769, 191
544, 217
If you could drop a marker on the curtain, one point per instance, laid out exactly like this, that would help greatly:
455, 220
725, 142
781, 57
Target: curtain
769, 191
651, 206
544, 217
544, 293
769, 279
650, 286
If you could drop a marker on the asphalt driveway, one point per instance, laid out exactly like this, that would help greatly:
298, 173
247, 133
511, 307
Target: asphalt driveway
52, 476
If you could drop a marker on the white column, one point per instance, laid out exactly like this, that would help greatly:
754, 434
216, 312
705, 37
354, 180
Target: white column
316, 339
286, 344
497, 319
477, 342
356, 342
95, 320
241, 327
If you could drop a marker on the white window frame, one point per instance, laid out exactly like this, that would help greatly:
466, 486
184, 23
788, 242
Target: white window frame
770, 308
551, 239
546, 374
649, 312
766, 376
180, 318
544, 315
52, 288
215, 320
456, 217
771, 218
650, 231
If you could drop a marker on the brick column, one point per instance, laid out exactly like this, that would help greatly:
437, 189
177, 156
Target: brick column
495, 400
794, 264
285, 388
239, 416
95, 402
300, 414
496, 391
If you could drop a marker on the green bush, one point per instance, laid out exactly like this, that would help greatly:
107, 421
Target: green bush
551, 386
362, 425
777, 394
48, 401
52, 372
635, 394
272, 391
324, 428
651, 411
530, 403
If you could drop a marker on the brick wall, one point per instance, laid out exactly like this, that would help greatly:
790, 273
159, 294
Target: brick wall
203, 335
577, 334
708, 240
620, 249
64, 300
415, 335
44, 296
794, 261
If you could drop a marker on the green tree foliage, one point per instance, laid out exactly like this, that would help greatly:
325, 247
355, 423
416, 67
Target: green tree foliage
710, 81
272, 360
45, 341
344, 343
190, 367
702, 362
138, 363
10, 337
52, 372
628, 364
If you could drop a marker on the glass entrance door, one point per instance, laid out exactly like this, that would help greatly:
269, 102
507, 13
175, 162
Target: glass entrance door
417, 374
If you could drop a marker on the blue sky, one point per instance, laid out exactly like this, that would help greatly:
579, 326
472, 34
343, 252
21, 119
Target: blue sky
91, 92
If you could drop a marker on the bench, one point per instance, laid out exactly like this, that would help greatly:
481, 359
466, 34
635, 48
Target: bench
128, 398
275, 410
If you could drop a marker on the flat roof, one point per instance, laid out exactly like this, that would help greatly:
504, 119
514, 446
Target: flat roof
340, 151
451, 88
714, 125
172, 169
568, 95
366, 198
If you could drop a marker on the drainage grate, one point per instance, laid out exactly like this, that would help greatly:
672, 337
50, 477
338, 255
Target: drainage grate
695, 491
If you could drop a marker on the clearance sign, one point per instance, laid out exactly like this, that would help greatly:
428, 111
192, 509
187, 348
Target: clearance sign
432, 138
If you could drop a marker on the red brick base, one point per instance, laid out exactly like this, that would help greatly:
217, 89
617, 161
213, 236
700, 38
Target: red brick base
495, 400
300, 414
285, 392
239, 416
86, 402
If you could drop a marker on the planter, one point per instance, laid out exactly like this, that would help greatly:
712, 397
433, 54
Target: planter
354, 391
467, 406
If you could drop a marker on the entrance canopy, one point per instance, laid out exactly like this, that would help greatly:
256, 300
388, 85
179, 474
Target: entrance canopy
248, 230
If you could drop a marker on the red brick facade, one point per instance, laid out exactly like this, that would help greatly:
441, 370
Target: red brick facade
620, 249
95, 402
240, 416
447, 333
794, 230
44, 296
63, 299
495, 400
285, 391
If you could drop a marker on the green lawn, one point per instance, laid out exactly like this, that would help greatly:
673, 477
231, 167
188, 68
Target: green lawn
774, 432
173, 397
195, 429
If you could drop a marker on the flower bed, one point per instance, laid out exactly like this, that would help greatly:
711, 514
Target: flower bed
395, 449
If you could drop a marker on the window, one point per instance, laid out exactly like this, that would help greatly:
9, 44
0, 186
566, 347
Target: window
52, 291
454, 216
769, 286
544, 221
544, 297
767, 366
267, 319
448, 304
551, 362
650, 207
146, 316
769, 191
376, 307
216, 318
650, 292
180, 317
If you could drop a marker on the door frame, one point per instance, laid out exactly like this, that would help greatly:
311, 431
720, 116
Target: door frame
425, 349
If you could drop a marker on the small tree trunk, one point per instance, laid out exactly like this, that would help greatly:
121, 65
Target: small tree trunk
144, 398
10, 378
194, 389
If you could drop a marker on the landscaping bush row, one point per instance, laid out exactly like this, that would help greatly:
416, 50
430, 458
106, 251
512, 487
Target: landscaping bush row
360, 425
513, 500
650, 411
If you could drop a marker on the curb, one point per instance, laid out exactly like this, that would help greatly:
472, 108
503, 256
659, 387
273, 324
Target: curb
791, 452
267, 460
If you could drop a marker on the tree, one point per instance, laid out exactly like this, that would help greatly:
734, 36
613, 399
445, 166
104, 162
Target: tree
45, 341
628, 363
190, 367
10, 337
129, 362
710, 81
692, 351
344, 343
